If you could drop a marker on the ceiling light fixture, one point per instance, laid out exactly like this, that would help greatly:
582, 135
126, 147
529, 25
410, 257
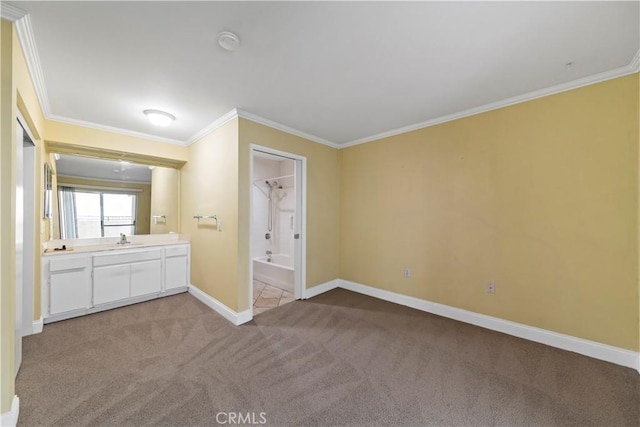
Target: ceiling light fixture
228, 40
159, 118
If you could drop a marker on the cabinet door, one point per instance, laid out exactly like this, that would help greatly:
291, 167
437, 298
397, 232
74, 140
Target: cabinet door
146, 277
110, 283
175, 274
69, 290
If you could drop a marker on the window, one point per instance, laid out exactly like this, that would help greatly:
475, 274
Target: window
88, 213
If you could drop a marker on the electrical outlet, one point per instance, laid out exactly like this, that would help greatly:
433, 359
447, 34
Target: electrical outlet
491, 288
407, 272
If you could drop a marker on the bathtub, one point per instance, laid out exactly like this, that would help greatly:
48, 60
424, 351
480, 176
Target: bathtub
279, 272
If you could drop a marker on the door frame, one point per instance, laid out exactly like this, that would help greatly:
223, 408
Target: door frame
300, 245
30, 228
25, 242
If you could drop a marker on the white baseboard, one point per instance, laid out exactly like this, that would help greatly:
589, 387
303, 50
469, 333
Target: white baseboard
10, 418
596, 350
244, 317
34, 328
605, 352
114, 304
229, 314
320, 289
38, 325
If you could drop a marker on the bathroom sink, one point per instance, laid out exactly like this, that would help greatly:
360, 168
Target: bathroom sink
112, 246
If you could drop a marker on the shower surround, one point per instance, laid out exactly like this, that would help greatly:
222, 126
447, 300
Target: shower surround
273, 223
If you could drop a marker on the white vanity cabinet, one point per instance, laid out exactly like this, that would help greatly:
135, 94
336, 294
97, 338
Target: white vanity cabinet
110, 283
176, 270
86, 281
146, 277
69, 284
126, 274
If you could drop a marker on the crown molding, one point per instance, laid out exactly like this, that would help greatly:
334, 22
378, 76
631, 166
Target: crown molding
279, 126
635, 62
219, 122
563, 87
28, 44
67, 120
24, 31
90, 178
11, 13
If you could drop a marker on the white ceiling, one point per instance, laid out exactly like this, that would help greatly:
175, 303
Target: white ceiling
112, 170
339, 71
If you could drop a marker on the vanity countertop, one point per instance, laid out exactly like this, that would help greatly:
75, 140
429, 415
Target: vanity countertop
113, 246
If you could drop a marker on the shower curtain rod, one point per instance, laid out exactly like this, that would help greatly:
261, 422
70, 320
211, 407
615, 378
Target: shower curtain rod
255, 181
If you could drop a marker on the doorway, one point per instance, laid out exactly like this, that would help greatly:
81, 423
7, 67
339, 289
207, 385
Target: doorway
278, 221
25, 232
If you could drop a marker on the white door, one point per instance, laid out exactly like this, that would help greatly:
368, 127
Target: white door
19, 230
299, 223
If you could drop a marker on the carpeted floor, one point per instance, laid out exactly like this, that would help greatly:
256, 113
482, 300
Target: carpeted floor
338, 359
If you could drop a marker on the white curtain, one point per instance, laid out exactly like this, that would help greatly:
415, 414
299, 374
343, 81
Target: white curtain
68, 213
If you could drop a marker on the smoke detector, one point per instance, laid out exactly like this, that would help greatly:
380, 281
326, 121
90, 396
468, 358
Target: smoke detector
228, 40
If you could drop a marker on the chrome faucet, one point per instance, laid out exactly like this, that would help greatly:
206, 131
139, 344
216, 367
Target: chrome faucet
269, 253
123, 239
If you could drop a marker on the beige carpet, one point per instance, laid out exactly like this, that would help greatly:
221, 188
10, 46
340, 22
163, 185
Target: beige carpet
337, 359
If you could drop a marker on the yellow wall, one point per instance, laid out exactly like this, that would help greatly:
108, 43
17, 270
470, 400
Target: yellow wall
209, 186
143, 210
7, 254
67, 134
322, 200
216, 180
540, 197
165, 194
18, 95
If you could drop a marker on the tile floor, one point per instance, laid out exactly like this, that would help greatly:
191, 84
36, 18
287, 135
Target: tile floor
266, 297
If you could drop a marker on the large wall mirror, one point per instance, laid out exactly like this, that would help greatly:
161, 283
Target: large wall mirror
97, 197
